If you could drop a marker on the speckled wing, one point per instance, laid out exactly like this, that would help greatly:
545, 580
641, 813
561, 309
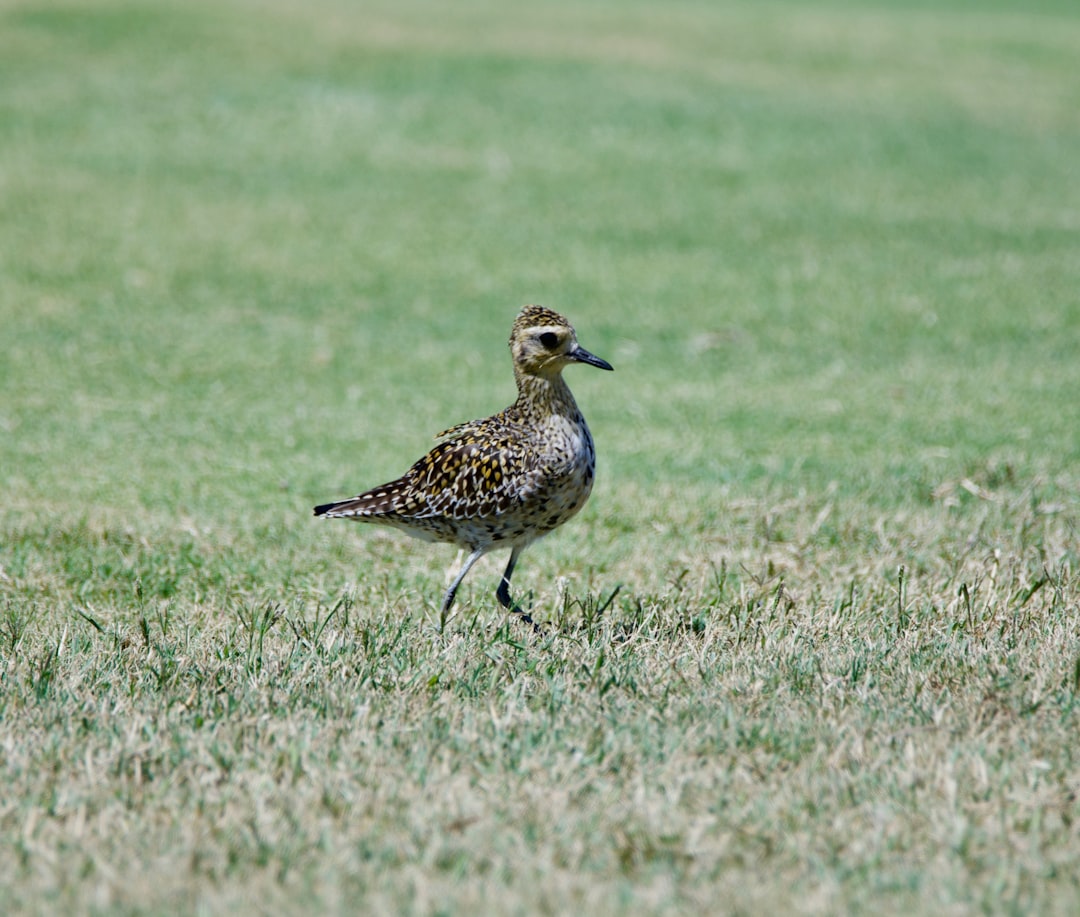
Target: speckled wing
470, 426
470, 477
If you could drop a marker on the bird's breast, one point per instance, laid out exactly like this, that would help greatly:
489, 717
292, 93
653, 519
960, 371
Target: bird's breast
567, 446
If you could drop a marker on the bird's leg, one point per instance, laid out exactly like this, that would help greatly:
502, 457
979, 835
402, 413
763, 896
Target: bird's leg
503, 594
448, 599
455, 568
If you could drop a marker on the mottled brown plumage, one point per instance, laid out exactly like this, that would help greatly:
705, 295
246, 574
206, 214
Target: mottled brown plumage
508, 479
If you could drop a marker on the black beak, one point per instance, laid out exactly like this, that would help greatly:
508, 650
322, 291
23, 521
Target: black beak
580, 355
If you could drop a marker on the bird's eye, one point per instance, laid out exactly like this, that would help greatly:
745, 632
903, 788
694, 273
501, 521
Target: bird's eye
549, 339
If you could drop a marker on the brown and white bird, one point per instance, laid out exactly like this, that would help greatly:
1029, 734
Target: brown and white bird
504, 481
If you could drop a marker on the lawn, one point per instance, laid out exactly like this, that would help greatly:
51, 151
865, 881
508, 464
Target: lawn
814, 643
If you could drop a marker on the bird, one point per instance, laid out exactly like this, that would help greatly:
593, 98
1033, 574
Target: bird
502, 481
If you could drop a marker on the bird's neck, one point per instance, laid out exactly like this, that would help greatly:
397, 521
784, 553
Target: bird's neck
544, 395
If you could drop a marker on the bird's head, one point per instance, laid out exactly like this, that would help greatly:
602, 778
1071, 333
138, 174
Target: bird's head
543, 342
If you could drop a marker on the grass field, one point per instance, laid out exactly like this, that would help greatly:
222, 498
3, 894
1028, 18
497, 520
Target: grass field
253, 255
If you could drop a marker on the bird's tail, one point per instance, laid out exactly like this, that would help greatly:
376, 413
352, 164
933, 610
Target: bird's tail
339, 508
374, 503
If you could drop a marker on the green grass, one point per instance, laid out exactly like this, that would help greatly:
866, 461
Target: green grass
252, 255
